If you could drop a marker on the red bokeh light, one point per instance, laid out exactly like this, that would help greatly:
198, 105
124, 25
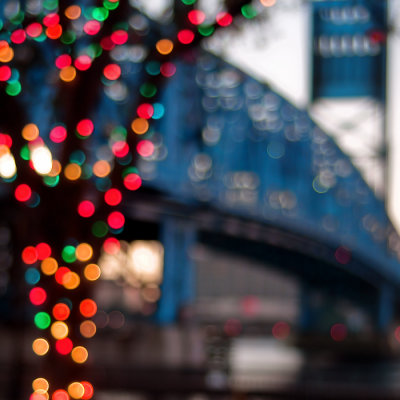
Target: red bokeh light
145, 111
43, 250
64, 346
112, 71
18, 36
168, 69
145, 148
92, 27
338, 332
29, 255
51, 19
5, 139
196, 17
116, 220
111, 246
34, 30
60, 394
37, 296
86, 209
185, 36
64, 60
54, 32
132, 181
61, 311
224, 19
119, 37
58, 134
232, 327
281, 330
88, 308
343, 255
85, 127
83, 62
5, 73
120, 148
23, 192
106, 43
89, 391
113, 197
60, 274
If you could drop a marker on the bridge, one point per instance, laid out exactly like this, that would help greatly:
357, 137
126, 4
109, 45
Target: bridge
238, 167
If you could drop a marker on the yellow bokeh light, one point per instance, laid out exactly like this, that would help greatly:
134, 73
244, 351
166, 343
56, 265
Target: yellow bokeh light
84, 252
140, 126
40, 384
56, 168
88, 329
76, 390
40, 346
101, 168
79, 354
30, 132
164, 46
59, 330
6, 54
73, 12
49, 266
92, 272
73, 171
71, 280
68, 74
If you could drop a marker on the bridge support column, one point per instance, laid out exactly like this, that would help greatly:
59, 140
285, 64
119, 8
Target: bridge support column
385, 308
178, 237
306, 309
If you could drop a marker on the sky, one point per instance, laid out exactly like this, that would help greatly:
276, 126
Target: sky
278, 53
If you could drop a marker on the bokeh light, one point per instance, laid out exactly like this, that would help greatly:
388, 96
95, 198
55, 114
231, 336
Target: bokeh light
73, 171
64, 346
164, 46
140, 126
29, 255
42, 320
79, 354
86, 208
113, 197
84, 252
23, 192
40, 384
60, 394
59, 330
49, 266
92, 272
89, 391
87, 329
30, 132
76, 390
61, 311
40, 346
71, 280
37, 296
88, 308
338, 332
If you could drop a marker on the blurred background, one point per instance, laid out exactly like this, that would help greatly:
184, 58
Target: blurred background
257, 259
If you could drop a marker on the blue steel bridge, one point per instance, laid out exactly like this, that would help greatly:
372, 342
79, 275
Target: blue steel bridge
239, 168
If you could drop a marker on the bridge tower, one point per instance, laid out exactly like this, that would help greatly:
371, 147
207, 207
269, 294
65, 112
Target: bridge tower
349, 92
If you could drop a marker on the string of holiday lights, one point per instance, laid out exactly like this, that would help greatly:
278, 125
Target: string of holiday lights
79, 41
